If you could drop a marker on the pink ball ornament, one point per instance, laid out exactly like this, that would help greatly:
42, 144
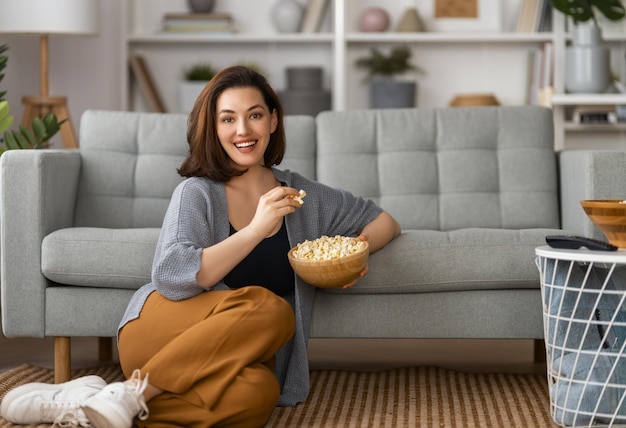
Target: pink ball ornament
374, 19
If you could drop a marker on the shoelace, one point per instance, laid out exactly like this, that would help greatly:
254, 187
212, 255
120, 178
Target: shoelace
70, 419
139, 386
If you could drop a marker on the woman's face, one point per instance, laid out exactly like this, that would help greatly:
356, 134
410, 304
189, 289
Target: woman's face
244, 125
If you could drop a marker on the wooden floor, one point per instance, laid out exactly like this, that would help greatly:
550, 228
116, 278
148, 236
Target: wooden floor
504, 356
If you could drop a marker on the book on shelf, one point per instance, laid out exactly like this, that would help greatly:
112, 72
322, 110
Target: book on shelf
533, 16
313, 15
590, 114
145, 81
540, 86
545, 17
217, 22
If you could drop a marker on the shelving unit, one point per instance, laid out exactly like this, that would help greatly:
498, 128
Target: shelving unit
571, 135
454, 62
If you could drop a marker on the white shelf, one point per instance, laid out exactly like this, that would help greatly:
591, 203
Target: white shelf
588, 99
182, 38
431, 37
597, 127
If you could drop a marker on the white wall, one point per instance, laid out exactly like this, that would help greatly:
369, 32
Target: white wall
85, 69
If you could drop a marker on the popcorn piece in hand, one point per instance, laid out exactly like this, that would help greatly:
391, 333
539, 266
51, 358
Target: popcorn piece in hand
300, 197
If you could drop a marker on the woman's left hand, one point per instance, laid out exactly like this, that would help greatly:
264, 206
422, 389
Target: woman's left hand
361, 237
363, 273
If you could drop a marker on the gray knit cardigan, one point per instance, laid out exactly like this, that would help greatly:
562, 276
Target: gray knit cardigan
197, 217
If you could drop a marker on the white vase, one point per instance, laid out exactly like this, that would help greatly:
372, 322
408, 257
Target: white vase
587, 61
287, 16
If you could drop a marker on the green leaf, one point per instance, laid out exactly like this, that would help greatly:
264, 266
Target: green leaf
582, 10
4, 108
28, 135
52, 125
612, 9
22, 142
40, 129
6, 120
9, 140
50, 120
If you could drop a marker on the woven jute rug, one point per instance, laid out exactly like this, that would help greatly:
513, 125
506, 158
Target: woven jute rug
410, 397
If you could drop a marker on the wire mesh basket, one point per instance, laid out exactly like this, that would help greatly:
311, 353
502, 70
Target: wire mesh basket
585, 334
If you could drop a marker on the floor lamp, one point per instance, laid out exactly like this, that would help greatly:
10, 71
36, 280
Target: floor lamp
45, 18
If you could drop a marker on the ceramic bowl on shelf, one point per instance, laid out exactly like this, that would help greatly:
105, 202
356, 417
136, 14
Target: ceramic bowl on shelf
333, 272
609, 215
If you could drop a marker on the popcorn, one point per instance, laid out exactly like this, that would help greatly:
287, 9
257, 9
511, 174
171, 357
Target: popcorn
327, 248
300, 197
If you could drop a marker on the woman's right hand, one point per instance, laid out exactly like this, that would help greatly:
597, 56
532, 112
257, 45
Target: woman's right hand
218, 259
272, 207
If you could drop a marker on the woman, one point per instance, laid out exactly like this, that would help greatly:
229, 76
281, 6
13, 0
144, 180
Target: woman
220, 333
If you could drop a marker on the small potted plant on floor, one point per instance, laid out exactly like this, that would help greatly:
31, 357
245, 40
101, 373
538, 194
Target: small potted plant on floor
195, 79
587, 59
386, 91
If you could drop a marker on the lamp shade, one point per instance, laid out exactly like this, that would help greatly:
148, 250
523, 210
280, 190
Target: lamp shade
49, 16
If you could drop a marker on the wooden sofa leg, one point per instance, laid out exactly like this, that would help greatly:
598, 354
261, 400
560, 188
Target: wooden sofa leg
105, 348
539, 351
62, 359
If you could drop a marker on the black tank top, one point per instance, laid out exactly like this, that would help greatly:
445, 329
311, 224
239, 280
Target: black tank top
267, 265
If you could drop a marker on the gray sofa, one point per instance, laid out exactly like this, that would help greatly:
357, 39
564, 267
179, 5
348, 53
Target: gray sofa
475, 190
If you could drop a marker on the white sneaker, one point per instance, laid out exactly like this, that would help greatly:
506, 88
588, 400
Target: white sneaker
40, 403
118, 403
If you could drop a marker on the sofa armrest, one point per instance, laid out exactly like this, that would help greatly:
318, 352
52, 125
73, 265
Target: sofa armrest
38, 194
589, 174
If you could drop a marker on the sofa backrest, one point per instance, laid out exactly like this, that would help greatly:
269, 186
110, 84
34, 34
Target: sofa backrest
438, 169
129, 163
447, 168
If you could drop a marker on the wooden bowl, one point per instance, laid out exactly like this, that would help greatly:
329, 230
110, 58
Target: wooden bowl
609, 215
330, 273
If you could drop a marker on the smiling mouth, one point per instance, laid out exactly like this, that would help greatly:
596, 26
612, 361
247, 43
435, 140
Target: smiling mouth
245, 144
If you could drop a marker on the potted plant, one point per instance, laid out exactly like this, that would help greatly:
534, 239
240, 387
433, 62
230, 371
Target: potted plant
587, 59
23, 138
195, 79
382, 69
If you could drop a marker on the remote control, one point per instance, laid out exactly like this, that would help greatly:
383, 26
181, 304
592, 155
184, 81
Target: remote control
576, 242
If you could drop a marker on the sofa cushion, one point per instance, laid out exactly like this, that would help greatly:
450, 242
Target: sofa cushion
128, 170
301, 145
446, 169
420, 261
99, 257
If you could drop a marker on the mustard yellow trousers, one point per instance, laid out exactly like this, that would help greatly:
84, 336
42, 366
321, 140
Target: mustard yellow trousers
212, 355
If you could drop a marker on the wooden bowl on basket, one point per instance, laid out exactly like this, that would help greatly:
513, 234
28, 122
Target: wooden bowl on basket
609, 215
330, 273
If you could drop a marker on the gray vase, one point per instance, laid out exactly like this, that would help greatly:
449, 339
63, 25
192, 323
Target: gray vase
587, 61
392, 94
304, 93
201, 6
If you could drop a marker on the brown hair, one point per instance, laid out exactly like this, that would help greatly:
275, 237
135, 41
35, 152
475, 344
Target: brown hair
207, 157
